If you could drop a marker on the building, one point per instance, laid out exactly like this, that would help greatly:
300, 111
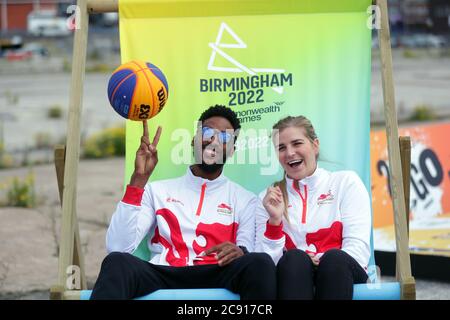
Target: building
440, 16
410, 15
14, 13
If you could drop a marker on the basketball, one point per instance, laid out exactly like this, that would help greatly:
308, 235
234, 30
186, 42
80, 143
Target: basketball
138, 90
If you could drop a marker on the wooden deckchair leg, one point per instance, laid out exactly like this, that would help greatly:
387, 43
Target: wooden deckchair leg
78, 257
68, 222
56, 292
396, 182
405, 155
408, 286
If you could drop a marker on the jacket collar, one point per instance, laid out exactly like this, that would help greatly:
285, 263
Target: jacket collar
311, 181
196, 183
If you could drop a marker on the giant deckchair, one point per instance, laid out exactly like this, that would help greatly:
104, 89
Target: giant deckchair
67, 157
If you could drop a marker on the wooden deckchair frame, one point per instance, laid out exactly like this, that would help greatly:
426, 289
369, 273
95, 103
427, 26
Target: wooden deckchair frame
66, 159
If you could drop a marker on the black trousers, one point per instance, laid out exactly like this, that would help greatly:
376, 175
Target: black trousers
333, 279
124, 276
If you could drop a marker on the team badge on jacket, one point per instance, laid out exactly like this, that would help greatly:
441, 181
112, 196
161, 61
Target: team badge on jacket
224, 209
325, 198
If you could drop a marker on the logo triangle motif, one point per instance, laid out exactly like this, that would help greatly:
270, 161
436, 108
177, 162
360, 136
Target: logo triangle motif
239, 43
238, 67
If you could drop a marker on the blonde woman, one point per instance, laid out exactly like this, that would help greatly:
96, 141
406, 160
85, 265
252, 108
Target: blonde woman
315, 224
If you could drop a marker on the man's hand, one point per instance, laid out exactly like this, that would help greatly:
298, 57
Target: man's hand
146, 158
225, 252
274, 204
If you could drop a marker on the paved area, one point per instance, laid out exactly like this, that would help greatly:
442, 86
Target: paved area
422, 80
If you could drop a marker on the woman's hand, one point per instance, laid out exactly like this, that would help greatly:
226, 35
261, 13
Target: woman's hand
274, 204
146, 158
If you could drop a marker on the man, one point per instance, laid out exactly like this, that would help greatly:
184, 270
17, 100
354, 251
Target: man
203, 224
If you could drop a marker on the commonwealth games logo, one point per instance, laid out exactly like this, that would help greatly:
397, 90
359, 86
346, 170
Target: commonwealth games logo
246, 88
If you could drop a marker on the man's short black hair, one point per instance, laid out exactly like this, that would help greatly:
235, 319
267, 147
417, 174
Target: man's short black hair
221, 111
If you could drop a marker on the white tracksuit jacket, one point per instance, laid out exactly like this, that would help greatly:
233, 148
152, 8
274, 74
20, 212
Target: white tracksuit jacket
330, 210
184, 216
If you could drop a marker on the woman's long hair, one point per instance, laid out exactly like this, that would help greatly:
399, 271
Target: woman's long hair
288, 122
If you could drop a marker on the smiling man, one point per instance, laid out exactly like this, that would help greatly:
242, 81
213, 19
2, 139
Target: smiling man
202, 224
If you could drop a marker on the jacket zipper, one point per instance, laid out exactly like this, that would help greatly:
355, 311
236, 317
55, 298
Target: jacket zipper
202, 196
304, 200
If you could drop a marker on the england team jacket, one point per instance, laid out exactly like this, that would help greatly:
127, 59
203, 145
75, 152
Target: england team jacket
184, 217
329, 210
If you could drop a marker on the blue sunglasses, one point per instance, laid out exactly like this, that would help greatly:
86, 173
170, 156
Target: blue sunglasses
208, 133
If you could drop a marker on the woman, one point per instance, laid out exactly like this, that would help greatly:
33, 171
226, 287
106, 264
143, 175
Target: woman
315, 224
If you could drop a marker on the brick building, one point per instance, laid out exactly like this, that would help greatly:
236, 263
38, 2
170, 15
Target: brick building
14, 13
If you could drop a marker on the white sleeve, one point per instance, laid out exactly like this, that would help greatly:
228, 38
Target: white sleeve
269, 239
246, 219
356, 220
132, 220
